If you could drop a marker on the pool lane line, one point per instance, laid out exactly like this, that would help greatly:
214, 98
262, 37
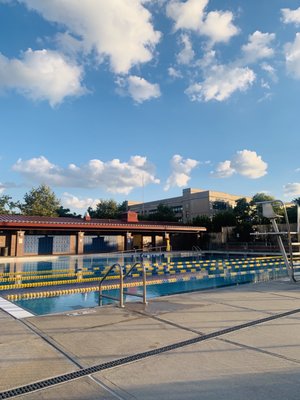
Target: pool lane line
165, 278
76, 288
43, 384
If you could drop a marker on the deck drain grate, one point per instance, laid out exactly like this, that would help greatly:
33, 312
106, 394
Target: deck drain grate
115, 363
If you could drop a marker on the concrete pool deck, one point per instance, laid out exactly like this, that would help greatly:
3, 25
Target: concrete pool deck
238, 342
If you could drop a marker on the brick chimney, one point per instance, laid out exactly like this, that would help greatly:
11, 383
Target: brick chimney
130, 216
87, 216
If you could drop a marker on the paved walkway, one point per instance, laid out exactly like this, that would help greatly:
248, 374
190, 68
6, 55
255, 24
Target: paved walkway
232, 343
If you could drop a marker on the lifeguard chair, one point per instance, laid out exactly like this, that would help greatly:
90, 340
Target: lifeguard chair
289, 257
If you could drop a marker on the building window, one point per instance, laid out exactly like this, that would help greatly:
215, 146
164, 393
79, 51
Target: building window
219, 205
177, 209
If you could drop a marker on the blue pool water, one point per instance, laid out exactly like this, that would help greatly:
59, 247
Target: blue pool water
41, 306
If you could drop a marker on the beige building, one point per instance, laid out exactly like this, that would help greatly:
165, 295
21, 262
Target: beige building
192, 203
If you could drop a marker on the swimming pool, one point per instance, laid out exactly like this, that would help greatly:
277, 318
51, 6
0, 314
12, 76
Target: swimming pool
78, 301
70, 283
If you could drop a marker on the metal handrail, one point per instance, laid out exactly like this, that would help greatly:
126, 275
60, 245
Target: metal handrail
121, 298
144, 295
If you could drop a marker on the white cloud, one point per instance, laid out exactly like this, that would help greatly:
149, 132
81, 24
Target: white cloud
218, 26
223, 170
181, 171
71, 201
291, 16
258, 46
191, 15
187, 15
186, 55
138, 88
41, 75
120, 30
174, 73
292, 56
270, 71
292, 189
245, 162
220, 83
114, 176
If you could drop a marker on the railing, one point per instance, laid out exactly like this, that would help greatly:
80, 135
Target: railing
121, 298
144, 295
121, 289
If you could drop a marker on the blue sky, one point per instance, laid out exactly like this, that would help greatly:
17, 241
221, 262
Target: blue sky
138, 99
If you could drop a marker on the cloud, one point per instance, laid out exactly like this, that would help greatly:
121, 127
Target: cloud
71, 201
224, 170
41, 75
113, 176
292, 189
245, 162
292, 57
191, 15
218, 26
220, 83
270, 71
186, 55
291, 16
181, 171
174, 73
258, 47
118, 30
138, 88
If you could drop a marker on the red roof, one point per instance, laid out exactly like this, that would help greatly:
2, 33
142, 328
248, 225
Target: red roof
37, 222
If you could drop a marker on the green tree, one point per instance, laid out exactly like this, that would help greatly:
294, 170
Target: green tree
66, 212
203, 220
225, 218
7, 206
243, 212
163, 213
107, 209
40, 201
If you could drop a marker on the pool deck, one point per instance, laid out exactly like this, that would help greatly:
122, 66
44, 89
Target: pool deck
239, 342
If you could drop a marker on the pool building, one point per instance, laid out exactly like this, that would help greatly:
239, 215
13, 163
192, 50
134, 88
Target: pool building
33, 235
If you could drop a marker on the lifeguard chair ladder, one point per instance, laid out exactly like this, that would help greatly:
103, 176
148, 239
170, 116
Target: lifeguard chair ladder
290, 256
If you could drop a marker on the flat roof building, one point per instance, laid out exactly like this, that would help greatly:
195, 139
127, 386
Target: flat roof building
192, 203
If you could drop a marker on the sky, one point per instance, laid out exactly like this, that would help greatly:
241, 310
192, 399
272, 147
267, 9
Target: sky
138, 99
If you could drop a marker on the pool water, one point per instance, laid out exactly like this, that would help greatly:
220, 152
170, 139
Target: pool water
57, 304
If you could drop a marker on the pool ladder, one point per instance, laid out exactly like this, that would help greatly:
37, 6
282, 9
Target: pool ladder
122, 277
290, 256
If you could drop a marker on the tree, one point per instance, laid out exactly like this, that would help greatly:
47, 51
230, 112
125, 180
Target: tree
66, 212
243, 212
40, 201
225, 218
7, 206
108, 209
203, 220
163, 213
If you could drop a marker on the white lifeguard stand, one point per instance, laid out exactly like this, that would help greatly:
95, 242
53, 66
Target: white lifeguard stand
269, 212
